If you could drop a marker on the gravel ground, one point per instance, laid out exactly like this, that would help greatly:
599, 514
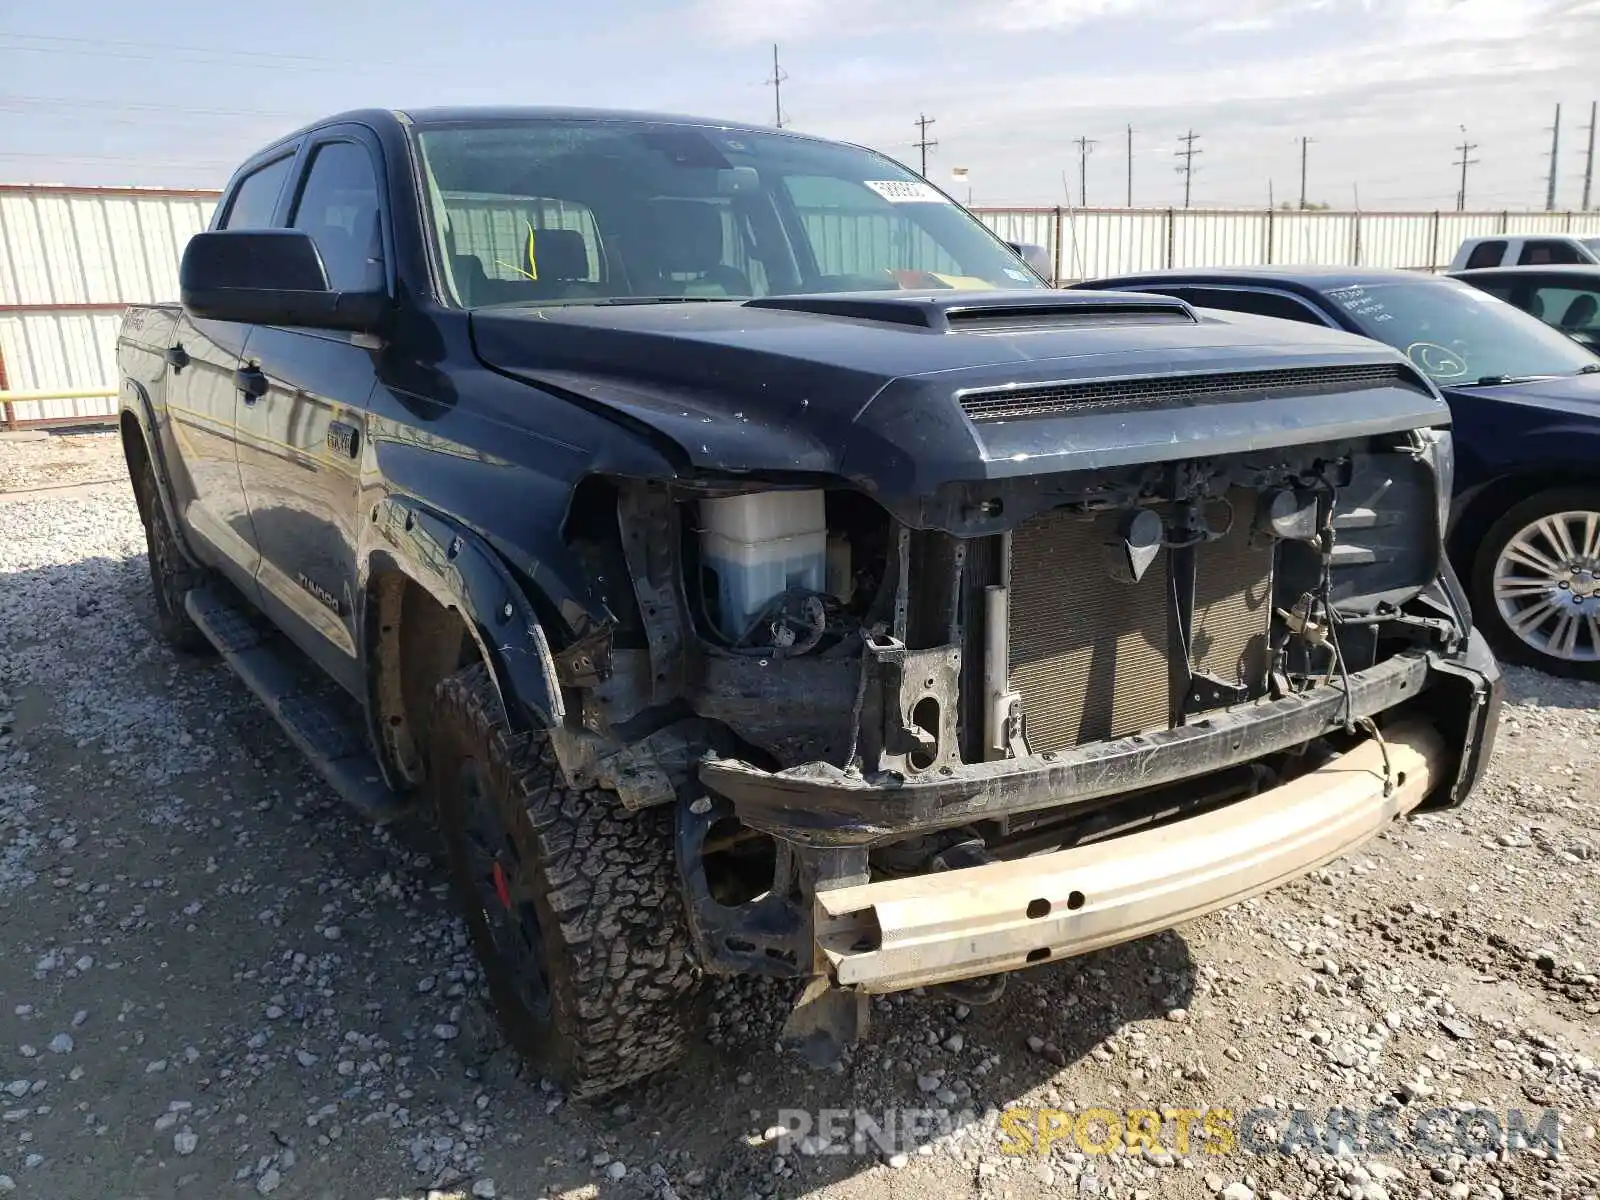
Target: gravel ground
59, 461
218, 982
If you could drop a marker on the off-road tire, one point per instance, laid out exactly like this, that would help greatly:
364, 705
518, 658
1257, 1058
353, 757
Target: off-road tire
1486, 612
172, 576
620, 984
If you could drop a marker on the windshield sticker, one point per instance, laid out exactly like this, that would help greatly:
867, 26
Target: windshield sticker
1016, 274
1359, 302
906, 191
1435, 360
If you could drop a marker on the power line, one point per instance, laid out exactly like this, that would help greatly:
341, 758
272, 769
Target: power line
922, 122
1555, 155
1466, 147
15, 99
1187, 168
776, 83
118, 158
1084, 144
95, 47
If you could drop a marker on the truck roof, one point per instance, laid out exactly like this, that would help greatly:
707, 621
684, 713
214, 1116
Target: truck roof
395, 118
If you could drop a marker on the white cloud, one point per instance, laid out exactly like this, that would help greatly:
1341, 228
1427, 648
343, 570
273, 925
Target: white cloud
1381, 85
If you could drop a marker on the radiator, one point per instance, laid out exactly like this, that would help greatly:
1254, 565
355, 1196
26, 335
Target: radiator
1089, 655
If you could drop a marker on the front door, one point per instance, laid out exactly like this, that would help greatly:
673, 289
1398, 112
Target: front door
303, 442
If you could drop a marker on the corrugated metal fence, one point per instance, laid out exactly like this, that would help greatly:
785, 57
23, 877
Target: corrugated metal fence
1086, 243
71, 258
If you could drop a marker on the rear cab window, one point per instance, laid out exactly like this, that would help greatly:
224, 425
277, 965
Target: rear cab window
1546, 253
1486, 254
517, 240
256, 199
858, 233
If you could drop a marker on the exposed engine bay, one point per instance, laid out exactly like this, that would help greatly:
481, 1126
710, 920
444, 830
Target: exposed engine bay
804, 632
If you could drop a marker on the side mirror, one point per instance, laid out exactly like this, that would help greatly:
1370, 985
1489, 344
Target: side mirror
269, 277
1036, 257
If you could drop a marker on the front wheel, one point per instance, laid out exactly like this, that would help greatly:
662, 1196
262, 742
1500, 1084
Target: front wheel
572, 901
1536, 583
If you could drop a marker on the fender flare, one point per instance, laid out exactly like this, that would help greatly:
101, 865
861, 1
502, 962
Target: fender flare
462, 573
141, 408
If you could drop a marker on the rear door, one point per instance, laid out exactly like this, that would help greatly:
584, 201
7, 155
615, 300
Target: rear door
303, 442
203, 399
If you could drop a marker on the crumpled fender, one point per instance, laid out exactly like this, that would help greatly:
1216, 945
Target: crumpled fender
461, 572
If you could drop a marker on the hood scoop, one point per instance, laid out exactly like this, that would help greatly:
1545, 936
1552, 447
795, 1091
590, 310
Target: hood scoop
989, 312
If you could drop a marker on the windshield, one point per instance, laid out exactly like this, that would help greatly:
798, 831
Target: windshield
1457, 334
570, 211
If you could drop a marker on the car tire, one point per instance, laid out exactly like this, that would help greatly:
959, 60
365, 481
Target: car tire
172, 575
572, 902
1536, 583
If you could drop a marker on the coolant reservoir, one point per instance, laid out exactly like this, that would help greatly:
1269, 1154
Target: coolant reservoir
760, 546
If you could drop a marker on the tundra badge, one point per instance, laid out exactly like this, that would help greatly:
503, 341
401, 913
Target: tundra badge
328, 599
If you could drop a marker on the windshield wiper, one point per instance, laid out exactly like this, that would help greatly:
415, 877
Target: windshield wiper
609, 300
1592, 369
1496, 380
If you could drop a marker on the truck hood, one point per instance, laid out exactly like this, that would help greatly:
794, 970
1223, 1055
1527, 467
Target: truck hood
869, 386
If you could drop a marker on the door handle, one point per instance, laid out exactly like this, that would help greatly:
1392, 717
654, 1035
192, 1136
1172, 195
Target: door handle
252, 382
177, 357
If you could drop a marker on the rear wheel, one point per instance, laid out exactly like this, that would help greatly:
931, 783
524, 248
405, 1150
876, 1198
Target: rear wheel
172, 576
1536, 583
572, 901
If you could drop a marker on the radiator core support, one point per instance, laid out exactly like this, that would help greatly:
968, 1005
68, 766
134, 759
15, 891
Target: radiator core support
1091, 654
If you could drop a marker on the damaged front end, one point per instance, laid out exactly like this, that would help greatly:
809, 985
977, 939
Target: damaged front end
1103, 699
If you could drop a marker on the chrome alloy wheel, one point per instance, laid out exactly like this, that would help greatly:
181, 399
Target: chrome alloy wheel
1547, 585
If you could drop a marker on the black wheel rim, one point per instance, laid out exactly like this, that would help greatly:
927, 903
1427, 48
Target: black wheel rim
502, 891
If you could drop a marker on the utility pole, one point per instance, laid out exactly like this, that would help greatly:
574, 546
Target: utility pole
1464, 162
1588, 169
1555, 154
777, 88
1130, 166
1305, 142
1187, 169
924, 145
1084, 145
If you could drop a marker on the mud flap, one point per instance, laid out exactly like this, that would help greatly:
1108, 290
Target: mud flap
825, 1020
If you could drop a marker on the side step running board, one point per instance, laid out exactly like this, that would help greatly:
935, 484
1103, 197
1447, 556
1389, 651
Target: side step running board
335, 743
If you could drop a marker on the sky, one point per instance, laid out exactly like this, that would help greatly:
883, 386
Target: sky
168, 94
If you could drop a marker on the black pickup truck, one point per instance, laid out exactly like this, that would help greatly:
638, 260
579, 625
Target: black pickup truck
758, 568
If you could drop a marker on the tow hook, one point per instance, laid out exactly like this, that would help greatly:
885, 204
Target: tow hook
825, 1021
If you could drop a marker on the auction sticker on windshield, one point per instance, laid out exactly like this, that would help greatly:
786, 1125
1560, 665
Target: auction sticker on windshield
906, 191
1359, 302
